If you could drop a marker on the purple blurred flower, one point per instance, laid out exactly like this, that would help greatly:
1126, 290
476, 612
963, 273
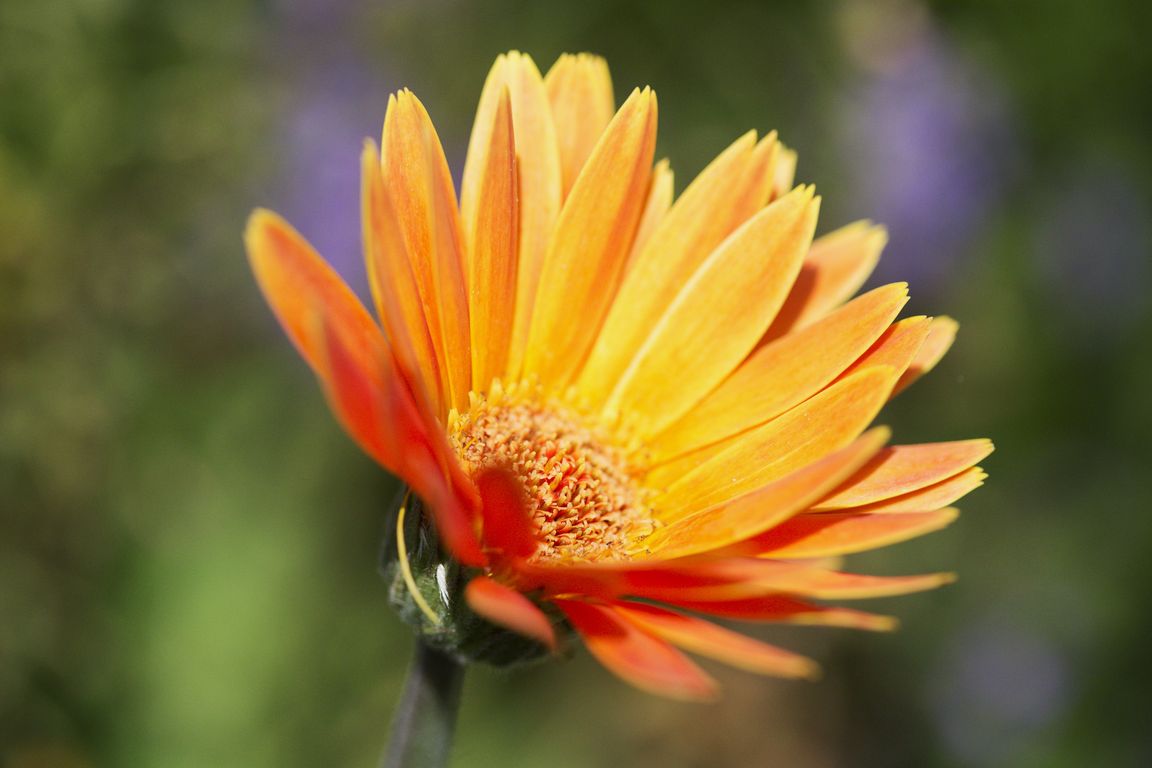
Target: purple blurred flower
929, 138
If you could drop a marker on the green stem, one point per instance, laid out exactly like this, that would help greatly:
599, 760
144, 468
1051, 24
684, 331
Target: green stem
424, 722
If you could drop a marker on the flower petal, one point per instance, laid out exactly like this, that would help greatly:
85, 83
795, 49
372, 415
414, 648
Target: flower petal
707, 639
717, 317
636, 656
900, 469
508, 608
823, 424
374, 404
587, 252
783, 373
941, 334
844, 533
540, 179
660, 190
299, 286
493, 242
580, 91
393, 283
784, 609
896, 348
935, 496
416, 174
759, 510
784, 175
834, 270
507, 524
712, 206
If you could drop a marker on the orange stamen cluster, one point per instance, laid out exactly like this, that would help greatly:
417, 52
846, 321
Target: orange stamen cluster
580, 492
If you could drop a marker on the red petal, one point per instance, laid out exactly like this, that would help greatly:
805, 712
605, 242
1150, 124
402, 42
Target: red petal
636, 656
507, 525
508, 608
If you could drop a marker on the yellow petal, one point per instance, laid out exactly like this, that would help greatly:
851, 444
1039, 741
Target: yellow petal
492, 261
717, 317
710, 208
538, 161
416, 174
783, 373
823, 424
655, 209
580, 91
591, 241
759, 510
393, 283
901, 469
896, 348
834, 270
941, 334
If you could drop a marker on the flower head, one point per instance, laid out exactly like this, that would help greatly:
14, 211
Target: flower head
620, 412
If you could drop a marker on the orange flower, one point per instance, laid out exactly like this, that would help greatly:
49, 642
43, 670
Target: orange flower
620, 411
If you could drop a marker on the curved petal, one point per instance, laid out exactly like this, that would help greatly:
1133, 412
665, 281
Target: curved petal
784, 373
941, 494
941, 334
580, 91
759, 510
784, 609
493, 251
714, 204
717, 317
507, 525
508, 608
844, 533
416, 174
834, 270
636, 656
707, 639
901, 469
660, 190
540, 177
593, 234
823, 424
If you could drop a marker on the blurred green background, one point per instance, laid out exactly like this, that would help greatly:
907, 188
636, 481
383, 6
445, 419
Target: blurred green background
188, 544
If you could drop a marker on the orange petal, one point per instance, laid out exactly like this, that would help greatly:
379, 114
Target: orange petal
833, 585
789, 610
707, 639
896, 348
592, 238
493, 240
540, 179
300, 286
900, 469
394, 288
941, 494
761, 509
580, 91
713, 205
786, 372
659, 201
636, 656
941, 334
718, 315
823, 424
843, 533
836, 267
508, 608
416, 174
507, 524
373, 403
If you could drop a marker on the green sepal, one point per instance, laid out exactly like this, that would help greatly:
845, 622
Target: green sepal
441, 579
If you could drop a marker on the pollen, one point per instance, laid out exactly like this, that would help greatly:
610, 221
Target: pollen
582, 495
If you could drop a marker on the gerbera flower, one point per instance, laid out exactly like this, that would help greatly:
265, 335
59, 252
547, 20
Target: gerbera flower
622, 413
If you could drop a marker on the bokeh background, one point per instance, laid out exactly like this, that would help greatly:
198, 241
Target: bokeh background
187, 542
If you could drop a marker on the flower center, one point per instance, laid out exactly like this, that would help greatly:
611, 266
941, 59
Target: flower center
581, 494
